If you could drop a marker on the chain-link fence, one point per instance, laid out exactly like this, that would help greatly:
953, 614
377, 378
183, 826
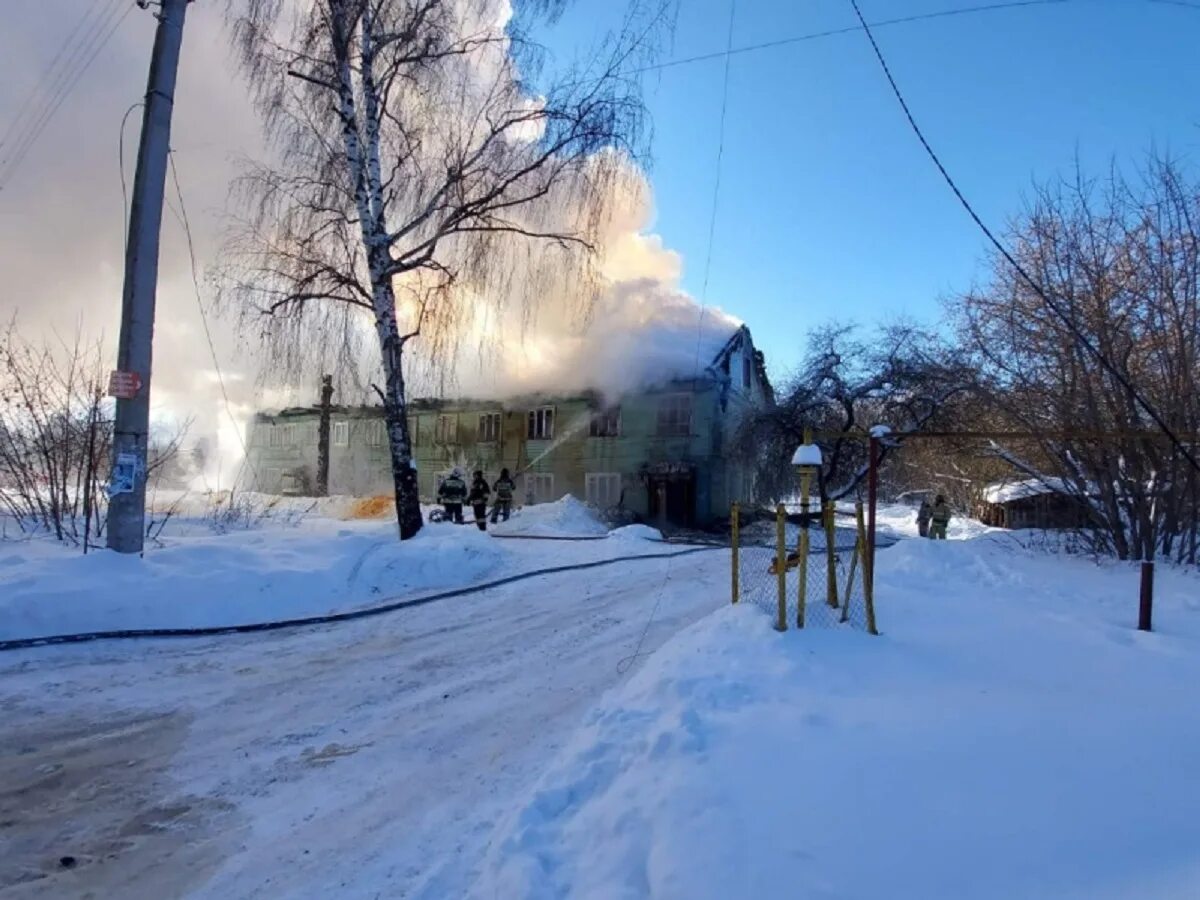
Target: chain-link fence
804, 570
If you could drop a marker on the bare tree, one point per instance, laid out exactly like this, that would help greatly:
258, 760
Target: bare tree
416, 167
900, 375
55, 429
1123, 257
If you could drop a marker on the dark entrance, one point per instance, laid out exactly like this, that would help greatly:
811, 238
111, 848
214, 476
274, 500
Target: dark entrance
672, 490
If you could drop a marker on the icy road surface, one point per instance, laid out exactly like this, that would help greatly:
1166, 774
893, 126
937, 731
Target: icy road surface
356, 760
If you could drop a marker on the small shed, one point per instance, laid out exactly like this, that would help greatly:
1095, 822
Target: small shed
1032, 503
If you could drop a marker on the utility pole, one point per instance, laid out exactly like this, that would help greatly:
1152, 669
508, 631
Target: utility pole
323, 436
131, 381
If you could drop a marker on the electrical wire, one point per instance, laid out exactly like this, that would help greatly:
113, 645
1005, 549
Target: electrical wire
48, 75
61, 91
712, 218
187, 229
849, 29
121, 166
1053, 306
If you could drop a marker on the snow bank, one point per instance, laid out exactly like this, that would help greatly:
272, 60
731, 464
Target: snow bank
636, 533
247, 576
1010, 735
567, 517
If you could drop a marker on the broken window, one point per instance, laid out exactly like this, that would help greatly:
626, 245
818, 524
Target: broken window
607, 423
541, 424
489, 428
675, 415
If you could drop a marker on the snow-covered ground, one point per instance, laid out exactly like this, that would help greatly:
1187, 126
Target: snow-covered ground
1009, 734
293, 560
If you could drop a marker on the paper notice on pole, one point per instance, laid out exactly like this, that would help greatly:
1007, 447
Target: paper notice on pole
128, 469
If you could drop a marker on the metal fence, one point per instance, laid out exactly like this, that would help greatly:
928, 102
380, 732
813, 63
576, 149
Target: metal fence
805, 572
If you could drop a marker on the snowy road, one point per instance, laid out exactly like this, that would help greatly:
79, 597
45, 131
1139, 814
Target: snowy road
358, 760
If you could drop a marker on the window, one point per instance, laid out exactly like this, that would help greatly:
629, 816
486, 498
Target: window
413, 431
489, 428
603, 489
341, 434
607, 423
447, 430
539, 487
541, 423
376, 433
274, 433
747, 371
675, 415
289, 436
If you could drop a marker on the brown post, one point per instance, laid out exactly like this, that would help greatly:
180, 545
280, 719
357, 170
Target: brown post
831, 592
323, 437
1146, 604
872, 502
781, 567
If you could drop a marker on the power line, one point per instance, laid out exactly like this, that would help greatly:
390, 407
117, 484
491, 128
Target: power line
40, 84
187, 229
1017, 267
62, 88
121, 166
712, 219
849, 29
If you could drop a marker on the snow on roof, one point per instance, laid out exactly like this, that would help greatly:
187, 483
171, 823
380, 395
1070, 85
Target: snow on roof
1007, 491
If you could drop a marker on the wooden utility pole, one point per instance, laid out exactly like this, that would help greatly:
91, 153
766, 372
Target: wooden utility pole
127, 484
323, 436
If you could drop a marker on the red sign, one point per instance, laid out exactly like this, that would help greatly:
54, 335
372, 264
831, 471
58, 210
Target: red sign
124, 385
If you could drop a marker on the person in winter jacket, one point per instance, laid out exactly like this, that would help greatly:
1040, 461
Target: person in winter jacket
504, 487
451, 494
924, 514
478, 498
939, 518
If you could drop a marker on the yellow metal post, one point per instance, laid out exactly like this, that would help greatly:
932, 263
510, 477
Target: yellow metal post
733, 527
859, 550
781, 566
802, 550
831, 593
868, 574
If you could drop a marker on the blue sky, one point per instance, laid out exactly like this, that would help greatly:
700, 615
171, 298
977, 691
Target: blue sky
828, 207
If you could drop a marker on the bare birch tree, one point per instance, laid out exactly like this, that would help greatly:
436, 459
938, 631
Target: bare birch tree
415, 167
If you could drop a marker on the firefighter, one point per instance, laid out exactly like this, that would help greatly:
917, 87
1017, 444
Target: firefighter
924, 514
939, 518
451, 493
504, 487
478, 498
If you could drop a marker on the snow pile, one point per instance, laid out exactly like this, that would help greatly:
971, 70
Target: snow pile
636, 533
1009, 735
216, 580
567, 517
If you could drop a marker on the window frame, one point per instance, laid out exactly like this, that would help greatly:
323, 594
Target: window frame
606, 423
608, 484
339, 433
536, 495
540, 423
376, 433
489, 428
445, 429
670, 420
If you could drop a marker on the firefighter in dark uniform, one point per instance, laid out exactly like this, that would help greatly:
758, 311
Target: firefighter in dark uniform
941, 518
504, 487
478, 498
451, 494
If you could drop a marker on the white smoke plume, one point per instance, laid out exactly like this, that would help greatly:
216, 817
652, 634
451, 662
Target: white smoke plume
640, 330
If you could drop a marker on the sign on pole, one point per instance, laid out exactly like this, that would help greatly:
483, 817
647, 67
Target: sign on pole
124, 385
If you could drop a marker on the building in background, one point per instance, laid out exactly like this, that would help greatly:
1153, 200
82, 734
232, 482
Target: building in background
662, 453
